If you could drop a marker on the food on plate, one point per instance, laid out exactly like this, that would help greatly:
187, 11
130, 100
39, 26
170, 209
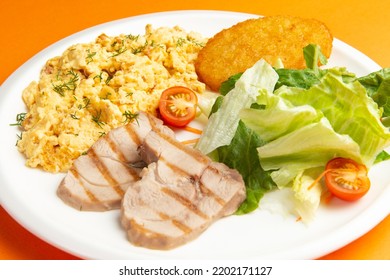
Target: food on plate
168, 192
346, 179
95, 87
178, 106
98, 180
273, 38
181, 193
98, 112
297, 121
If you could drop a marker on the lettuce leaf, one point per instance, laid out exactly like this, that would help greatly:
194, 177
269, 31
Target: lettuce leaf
279, 117
307, 193
313, 57
305, 128
349, 110
279, 127
378, 88
222, 125
241, 155
310, 146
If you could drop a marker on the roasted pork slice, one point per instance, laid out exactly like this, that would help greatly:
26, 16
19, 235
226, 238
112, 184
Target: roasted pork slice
98, 180
159, 146
181, 193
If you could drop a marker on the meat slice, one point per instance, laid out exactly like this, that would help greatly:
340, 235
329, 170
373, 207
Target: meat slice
98, 180
181, 193
160, 147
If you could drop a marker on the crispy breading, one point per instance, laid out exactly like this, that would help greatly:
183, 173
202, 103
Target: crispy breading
237, 48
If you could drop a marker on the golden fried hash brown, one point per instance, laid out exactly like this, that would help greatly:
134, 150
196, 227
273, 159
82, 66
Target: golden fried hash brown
237, 48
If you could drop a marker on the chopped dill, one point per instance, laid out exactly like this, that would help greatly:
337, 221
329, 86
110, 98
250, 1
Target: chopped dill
180, 42
74, 116
19, 119
19, 136
196, 43
140, 48
109, 78
121, 49
66, 85
129, 116
132, 37
86, 101
99, 76
96, 119
90, 56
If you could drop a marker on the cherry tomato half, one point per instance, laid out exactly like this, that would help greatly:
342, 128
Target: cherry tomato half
346, 179
178, 106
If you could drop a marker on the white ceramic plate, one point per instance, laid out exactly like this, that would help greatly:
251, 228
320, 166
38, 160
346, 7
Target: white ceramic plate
29, 194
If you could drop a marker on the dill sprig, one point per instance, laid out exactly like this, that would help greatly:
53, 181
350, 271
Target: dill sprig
66, 85
119, 50
140, 48
19, 119
109, 78
196, 43
100, 77
86, 101
19, 138
74, 116
90, 56
132, 37
129, 116
181, 41
96, 119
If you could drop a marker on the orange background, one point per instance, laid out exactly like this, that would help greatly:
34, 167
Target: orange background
28, 26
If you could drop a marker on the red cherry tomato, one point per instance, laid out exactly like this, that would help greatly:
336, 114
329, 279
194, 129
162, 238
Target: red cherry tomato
178, 106
346, 179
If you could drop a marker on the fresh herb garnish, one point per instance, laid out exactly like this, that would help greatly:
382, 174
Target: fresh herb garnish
129, 116
86, 101
90, 56
100, 77
66, 85
96, 119
19, 138
140, 48
19, 119
119, 50
109, 78
73, 116
132, 37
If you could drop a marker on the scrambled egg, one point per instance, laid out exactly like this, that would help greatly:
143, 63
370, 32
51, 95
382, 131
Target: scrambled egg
93, 88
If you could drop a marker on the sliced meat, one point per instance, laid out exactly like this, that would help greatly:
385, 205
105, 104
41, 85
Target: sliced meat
98, 180
158, 146
181, 194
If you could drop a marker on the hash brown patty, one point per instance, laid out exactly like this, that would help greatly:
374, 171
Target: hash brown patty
235, 49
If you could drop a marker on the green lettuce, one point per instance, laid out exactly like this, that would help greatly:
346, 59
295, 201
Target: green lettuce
313, 57
307, 193
241, 155
222, 125
378, 88
278, 117
310, 146
349, 110
305, 128
279, 127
